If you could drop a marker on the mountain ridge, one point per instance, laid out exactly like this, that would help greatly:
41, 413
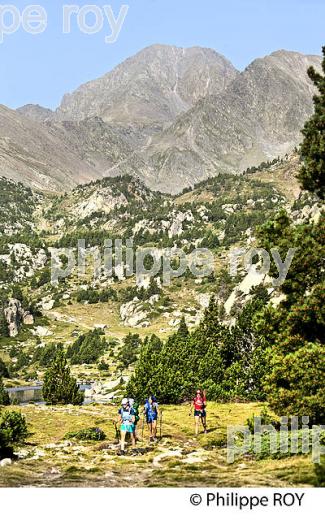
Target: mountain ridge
169, 116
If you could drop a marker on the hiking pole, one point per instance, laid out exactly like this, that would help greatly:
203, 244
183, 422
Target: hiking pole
117, 432
160, 425
142, 427
116, 437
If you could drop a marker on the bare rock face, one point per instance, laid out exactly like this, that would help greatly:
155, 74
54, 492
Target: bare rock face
13, 313
150, 88
100, 200
16, 316
199, 124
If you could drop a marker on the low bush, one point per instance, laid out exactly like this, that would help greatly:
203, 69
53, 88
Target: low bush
320, 473
265, 418
279, 444
88, 434
13, 430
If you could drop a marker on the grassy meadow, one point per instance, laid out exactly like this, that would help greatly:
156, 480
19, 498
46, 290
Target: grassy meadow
178, 459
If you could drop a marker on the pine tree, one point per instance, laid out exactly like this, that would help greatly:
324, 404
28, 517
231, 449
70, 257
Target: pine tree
4, 372
129, 350
13, 429
4, 331
4, 396
182, 329
211, 326
59, 386
312, 174
145, 379
87, 348
295, 330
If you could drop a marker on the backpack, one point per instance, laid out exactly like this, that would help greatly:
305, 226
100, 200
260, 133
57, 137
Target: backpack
135, 411
126, 415
151, 410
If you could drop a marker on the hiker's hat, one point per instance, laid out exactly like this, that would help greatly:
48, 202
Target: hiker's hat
124, 401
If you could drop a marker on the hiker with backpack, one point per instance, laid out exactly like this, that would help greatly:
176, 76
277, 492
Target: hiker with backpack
127, 421
199, 404
134, 405
151, 414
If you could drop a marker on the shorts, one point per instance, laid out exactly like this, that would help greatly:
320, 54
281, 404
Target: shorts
200, 413
129, 428
150, 420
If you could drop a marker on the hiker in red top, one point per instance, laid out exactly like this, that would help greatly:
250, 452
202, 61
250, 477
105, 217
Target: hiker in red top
199, 404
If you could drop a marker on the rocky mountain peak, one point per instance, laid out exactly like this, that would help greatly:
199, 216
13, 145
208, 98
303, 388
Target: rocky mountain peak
36, 112
152, 87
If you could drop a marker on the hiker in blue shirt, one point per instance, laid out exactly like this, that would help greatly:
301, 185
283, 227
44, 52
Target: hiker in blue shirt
127, 420
151, 414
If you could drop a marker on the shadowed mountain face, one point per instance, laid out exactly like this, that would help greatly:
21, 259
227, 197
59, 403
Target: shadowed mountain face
170, 116
29, 153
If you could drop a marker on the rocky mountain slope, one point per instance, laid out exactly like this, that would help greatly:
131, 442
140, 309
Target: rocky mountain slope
169, 116
40, 159
150, 88
256, 118
220, 214
56, 156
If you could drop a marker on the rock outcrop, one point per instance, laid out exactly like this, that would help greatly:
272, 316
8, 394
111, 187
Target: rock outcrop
133, 314
16, 316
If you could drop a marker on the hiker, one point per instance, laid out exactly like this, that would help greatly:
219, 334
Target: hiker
127, 420
151, 413
134, 405
199, 404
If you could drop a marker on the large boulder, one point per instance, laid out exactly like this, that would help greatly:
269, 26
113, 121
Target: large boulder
133, 314
28, 318
5, 462
47, 305
42, 332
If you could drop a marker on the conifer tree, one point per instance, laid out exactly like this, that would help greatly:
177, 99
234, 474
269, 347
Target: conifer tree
312, 174
145, 377
4, 331
59, 386
182, 329
4, 396
4, 372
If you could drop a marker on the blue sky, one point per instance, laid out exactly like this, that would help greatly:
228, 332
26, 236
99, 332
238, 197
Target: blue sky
41, 68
